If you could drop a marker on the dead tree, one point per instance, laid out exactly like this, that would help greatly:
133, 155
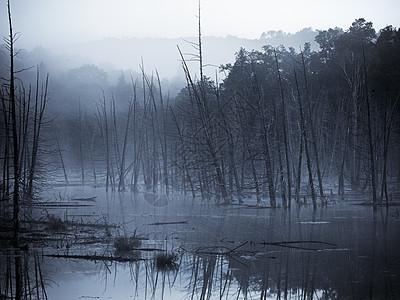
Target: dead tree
369, 124
121, 185
61, 160
16, 155
14, 132
200, 98
312, 131
38, 121
305, 137
285, 135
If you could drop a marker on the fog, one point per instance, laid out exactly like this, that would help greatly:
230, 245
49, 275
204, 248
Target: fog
48, 23
163, 55
150, 153
123, 34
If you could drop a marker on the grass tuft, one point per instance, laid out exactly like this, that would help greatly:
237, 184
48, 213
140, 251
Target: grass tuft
56, 224
166, 261
127, 244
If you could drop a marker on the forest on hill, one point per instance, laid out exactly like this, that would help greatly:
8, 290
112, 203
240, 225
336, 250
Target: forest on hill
283, 124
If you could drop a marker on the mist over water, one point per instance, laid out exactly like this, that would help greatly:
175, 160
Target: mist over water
337, 252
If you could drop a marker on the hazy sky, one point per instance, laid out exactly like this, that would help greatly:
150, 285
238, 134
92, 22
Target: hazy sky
51, 22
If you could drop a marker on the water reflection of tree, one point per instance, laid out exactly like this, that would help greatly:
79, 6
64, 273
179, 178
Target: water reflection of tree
273, 270
21, 275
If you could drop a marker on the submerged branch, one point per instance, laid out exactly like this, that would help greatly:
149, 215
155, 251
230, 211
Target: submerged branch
289, 244
222, 250
97, 257
168, 223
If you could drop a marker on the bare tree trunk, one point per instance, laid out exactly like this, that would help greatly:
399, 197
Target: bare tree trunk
81, 144
268, 166
285, 136
370, 140
158, 132
387, 131
38, 122
114, 135
233, 174
204, 113
298, 177
304, 132
16, 195
6, 171
201, 103
25, 107
16, 198
121, 186
313, 137
106, 142
163, 136
233, 170
62, 161
346, 141
266, 148
281, 174
91, 133
137, 142
255, 177
185, 168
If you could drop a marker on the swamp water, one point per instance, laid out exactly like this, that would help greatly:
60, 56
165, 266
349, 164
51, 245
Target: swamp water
343, 251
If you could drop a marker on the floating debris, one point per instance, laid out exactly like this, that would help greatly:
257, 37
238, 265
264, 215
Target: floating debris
314, 223
169, 223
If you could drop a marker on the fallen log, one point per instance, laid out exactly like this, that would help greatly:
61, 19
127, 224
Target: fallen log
96, 257
213, 251
85, 199
292, 244
169, 223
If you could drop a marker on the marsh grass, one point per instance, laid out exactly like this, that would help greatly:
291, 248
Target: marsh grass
122, 243
127, 244
166, 261
56, 224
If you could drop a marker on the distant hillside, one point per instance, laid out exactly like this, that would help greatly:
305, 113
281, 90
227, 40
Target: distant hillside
163, 55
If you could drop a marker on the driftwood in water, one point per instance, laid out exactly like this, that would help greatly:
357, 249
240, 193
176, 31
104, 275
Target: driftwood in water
96, 257
214, 251
85, 199
75, 223
168, 223
222, 250
292, 244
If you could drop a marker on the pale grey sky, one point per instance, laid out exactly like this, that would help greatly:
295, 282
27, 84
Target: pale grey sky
55, 22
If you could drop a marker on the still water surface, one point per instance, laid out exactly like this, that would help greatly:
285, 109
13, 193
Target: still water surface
343, 251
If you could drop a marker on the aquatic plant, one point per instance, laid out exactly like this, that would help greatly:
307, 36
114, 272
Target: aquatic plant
166, 261
126, 244
56, 224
